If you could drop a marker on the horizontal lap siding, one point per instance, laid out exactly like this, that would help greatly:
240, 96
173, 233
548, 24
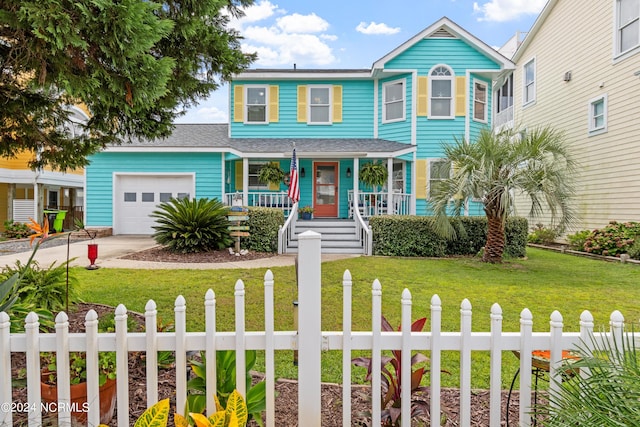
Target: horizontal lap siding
357, 113
99, 175
453, 52
608, 184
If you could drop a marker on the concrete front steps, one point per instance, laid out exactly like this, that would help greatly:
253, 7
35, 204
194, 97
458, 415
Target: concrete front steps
338, 235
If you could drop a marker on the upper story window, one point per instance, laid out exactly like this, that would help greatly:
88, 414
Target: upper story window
480, 101
441, 92
393, 100
627, 25
529, 74
598, 115
256, 104
320, 104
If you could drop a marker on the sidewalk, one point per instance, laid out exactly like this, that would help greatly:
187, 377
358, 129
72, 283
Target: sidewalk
111, 248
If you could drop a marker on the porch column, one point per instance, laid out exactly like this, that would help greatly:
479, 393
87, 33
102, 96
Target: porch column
245, 181
390, 186
11, 195
356, 183
412, 208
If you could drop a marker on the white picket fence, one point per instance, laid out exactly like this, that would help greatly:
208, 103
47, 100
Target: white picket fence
309, 340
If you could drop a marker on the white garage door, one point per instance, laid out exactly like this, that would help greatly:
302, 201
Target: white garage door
136, 196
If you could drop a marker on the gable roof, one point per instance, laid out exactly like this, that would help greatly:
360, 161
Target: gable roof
445, 28
215, 138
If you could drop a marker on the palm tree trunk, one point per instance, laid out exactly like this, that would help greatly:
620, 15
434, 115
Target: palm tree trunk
494, 247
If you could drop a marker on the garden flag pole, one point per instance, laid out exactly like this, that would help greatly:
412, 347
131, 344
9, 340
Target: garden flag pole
294, 187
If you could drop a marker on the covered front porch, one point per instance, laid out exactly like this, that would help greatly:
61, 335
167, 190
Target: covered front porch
329, 178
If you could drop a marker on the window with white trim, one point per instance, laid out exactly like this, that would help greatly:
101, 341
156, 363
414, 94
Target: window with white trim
441, 92
504, 95
529, 78
627, 25
256, 104
480, 101
439, 170
393, 100
254, 172
598, 115
320, 104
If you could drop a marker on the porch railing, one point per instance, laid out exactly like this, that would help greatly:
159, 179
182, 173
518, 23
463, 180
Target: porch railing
375, 203
286, 231
363, 231
278, 199
503, 118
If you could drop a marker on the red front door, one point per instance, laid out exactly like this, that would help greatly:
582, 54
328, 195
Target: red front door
325, 189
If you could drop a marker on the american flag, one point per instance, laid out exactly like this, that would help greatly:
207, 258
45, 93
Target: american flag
294, 187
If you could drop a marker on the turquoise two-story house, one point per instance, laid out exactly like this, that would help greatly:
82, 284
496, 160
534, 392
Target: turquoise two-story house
432, 88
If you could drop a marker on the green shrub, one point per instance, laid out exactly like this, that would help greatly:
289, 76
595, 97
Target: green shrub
634, 250
578, 239
45, 288
263, 229
16, 230
542, 235
187, 226
414, 236
614, 239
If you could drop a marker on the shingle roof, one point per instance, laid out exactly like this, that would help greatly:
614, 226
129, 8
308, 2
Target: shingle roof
216, 137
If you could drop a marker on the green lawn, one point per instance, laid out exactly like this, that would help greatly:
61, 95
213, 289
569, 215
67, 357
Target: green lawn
543, 282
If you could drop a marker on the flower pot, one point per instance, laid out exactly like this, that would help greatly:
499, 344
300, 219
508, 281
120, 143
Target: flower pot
107, 393
305, 215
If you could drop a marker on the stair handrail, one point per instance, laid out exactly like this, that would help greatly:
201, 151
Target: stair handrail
363, 232
285, 231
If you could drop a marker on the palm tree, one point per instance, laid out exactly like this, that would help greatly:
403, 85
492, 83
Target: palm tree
534, 163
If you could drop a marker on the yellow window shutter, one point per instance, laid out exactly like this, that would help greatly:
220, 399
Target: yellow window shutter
337, 104
273, 104
238, 103
461, 96
302, 103
423, 96
421, 179
238, 174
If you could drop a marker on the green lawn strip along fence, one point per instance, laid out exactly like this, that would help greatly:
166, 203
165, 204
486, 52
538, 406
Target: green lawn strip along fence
543, 282
409, 236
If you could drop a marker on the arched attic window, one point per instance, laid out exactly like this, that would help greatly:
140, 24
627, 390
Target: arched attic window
441, 99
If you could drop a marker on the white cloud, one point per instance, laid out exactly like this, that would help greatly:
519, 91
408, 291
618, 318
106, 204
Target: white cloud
297, 23
374, 28
204, 115
507, 10
282, 39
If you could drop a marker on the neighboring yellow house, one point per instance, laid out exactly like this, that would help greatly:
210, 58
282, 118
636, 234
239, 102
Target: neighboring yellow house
578, 70
25, 193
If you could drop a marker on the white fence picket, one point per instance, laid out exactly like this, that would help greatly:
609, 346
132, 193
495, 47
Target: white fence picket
495, 389
347, 291
93, 377
122, 365
211, 347
269, 353
6, 417
436, 346
151, 357
309, 340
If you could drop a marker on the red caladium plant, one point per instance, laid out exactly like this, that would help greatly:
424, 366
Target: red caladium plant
391, 372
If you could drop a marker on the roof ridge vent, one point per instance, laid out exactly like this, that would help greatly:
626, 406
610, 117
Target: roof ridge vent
442, 33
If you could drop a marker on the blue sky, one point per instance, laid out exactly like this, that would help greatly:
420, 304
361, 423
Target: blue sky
355, 33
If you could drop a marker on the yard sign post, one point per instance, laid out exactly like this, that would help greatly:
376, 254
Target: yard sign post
309, 331
236, 217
